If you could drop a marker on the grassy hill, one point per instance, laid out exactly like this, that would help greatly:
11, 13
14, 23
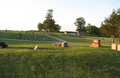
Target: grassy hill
29, 36
19, 60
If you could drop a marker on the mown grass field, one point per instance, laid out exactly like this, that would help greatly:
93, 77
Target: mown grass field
75, 38
81, 39
29, 36
19, 60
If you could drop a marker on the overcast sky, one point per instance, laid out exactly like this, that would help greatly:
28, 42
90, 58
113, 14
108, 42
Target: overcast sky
26, 14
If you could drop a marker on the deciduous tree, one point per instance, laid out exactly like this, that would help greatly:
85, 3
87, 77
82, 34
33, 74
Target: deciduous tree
57, 28
80, 23
92, 29
40, 26
49, 14
49, 23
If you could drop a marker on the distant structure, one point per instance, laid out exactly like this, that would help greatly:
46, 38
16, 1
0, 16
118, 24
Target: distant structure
70, 32
81, 33
75, 33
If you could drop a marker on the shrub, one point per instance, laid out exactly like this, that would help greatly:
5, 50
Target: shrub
3, 44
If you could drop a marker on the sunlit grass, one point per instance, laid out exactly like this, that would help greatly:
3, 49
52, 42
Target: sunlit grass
19, 60
77, 39
29, 36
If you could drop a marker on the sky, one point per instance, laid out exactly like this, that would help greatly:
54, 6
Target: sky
26, 14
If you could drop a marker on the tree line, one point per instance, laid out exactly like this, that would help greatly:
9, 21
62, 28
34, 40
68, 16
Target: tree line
49, 23
91, 30
109, 27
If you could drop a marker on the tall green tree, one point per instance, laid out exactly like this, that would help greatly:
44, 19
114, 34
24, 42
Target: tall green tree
49, 23
110, 26
40, 26
49, 14
118, 22
57, 28
118, 11
80, 23
88, 27
103, 30
92, 29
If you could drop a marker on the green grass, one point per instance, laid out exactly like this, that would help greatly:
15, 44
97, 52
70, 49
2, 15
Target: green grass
110, 39
29, 36
81, 39
19, 60
76, 39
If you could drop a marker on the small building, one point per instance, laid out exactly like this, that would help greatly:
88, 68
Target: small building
70, 32
83, 33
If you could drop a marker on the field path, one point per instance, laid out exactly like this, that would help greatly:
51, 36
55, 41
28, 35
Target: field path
61, 40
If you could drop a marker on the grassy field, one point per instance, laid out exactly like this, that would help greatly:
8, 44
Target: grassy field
81, 39
29, 36
77, 39
19, 60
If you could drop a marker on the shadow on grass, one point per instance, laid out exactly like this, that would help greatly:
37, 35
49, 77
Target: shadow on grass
38, 48
20, 48
106, 47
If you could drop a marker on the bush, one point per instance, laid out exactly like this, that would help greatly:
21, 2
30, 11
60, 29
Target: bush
3, 44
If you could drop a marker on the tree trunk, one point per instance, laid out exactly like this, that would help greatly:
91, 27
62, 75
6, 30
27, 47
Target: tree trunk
79, 34
119, 39
113, 39
102, 36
